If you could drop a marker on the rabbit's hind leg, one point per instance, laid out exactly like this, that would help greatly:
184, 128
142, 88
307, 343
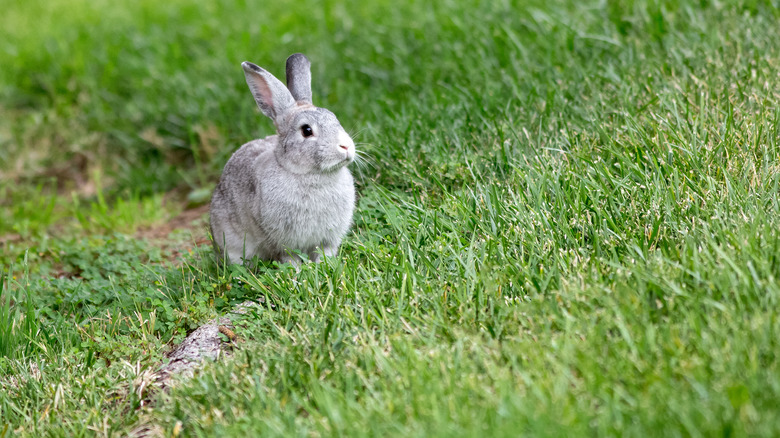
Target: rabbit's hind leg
239, 248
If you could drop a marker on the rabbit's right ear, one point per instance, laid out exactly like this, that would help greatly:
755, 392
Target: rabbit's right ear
299, 77
271, 95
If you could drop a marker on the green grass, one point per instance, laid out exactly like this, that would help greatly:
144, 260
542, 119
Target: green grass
568, 223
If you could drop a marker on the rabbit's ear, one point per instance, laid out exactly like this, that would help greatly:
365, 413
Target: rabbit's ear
299, 77
271, 95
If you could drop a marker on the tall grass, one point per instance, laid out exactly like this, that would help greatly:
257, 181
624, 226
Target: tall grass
21, 334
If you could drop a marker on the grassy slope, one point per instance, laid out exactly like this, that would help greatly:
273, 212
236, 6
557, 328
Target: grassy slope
570, 225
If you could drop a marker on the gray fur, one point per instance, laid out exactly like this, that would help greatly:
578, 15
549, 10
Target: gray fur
299, 77
285, 192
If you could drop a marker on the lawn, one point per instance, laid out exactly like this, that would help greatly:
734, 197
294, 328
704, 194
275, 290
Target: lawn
568, 220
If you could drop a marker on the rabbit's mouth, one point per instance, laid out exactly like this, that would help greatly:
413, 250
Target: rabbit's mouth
340, 153
332, 167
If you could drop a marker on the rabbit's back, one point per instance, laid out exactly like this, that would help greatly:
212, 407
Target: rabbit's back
239, 177
234, 203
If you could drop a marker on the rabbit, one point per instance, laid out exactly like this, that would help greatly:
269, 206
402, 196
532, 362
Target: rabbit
291, 191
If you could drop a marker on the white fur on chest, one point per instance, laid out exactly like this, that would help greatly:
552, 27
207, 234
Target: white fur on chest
311, 212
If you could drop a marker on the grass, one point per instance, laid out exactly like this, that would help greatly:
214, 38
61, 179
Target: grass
567, 224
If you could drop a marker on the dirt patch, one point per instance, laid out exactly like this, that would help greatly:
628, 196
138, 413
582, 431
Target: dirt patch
10, 238
192, 219
192, 222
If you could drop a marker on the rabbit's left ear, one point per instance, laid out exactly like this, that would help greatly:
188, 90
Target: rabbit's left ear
299, 77
271, 95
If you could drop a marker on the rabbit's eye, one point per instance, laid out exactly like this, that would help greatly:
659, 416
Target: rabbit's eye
306, 131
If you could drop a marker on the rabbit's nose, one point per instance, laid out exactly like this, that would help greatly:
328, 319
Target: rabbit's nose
345, 141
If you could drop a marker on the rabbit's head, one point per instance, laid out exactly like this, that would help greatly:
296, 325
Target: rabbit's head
311, 139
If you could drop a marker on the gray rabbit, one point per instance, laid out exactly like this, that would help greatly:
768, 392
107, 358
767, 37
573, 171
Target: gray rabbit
291, 191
